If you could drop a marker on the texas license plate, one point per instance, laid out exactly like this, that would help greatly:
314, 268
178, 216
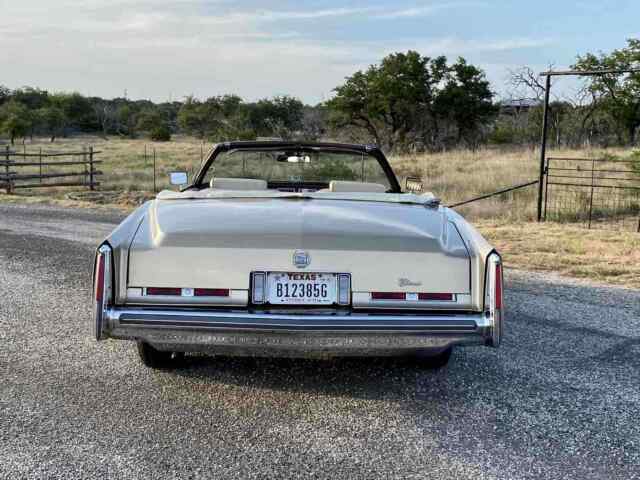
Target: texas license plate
302, 288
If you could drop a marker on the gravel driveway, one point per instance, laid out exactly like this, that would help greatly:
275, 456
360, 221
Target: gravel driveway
560, 399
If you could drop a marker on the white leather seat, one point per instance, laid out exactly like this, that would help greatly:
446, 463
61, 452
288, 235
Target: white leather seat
219, 183
355, 187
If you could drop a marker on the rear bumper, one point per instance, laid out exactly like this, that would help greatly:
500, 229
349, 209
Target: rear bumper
300, 335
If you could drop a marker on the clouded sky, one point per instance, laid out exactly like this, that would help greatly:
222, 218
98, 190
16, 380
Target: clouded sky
166, 49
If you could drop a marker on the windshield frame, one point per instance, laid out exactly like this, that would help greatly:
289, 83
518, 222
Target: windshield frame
370, 150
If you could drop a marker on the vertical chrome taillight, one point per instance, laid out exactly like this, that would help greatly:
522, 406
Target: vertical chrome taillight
259, 288
344, 289
102, 289
494, 304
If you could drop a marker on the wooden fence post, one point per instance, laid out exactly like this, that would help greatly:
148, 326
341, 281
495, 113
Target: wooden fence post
40, 158
8, 171
593, 171
91, 170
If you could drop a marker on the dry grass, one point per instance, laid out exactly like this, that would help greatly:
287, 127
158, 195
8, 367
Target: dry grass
599, 255
453, 176
460, 175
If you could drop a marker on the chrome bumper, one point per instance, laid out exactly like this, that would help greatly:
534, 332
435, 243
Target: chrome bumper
276, 334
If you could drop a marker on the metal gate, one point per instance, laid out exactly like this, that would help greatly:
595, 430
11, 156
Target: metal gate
597, 192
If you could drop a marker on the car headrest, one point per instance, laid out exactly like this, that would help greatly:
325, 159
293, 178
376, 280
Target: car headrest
237, 184
344, 186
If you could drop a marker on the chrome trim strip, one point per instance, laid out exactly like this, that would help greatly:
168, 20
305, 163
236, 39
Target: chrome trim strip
495, 316
267, 322
301, 335
100, 308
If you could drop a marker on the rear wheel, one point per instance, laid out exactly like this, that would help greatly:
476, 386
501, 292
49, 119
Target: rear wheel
158, 359
439, 360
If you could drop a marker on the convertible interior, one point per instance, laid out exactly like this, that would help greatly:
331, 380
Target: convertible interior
251, 184
300, 169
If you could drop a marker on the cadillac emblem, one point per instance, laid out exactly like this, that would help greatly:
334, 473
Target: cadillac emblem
301, 259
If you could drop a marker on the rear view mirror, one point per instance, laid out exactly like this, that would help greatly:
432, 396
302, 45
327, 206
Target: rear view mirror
294, 158
178, 178
413, 185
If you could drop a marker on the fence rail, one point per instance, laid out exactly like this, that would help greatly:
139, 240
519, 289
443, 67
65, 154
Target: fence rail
11, 179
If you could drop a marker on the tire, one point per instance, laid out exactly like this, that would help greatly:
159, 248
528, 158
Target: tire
433, 362
158, 359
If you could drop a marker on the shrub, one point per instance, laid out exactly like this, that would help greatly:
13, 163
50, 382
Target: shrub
635, 157
161, 133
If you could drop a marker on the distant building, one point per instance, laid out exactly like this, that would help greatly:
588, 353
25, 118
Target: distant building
517, 106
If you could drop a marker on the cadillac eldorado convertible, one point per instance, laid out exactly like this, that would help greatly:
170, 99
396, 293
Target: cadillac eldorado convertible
296, 249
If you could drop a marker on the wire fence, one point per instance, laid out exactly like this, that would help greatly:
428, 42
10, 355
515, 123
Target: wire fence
595, 192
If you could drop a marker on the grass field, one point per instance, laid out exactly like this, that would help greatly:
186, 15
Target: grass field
604, 256
453, 176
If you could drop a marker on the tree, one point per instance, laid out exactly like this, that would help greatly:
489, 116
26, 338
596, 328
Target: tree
279, 116
5, 94
126, 120
385, 99
616, 93
15, 119
78, 111
411, 100
193, 118
152, 120
466, 98
52, 120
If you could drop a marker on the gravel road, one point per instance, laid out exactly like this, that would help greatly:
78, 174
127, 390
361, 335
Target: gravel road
560, 399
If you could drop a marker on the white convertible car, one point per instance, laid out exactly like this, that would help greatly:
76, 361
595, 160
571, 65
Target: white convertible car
296, 249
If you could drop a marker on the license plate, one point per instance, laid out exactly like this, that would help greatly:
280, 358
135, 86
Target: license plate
302, 288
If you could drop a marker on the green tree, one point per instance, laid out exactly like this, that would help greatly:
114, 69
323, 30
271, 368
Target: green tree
152, 120
78, 111
467, 100
193, 117
5, 94
126, 120
617, 94
52, 119
391, 102
15, 120
32, 98
278, 116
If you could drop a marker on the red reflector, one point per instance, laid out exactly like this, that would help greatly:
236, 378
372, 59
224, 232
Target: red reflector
164, 291
436, 296
498, 286
99, 287
388, 296
211, 292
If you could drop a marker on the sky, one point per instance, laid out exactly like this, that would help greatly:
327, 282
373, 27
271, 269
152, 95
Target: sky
167, 49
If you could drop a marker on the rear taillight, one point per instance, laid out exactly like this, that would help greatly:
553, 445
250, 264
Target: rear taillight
494, 304
186, 292
498, 274
99, 281
163, 291
413, 297
211, 292
388, 296
442, 297
102, 290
